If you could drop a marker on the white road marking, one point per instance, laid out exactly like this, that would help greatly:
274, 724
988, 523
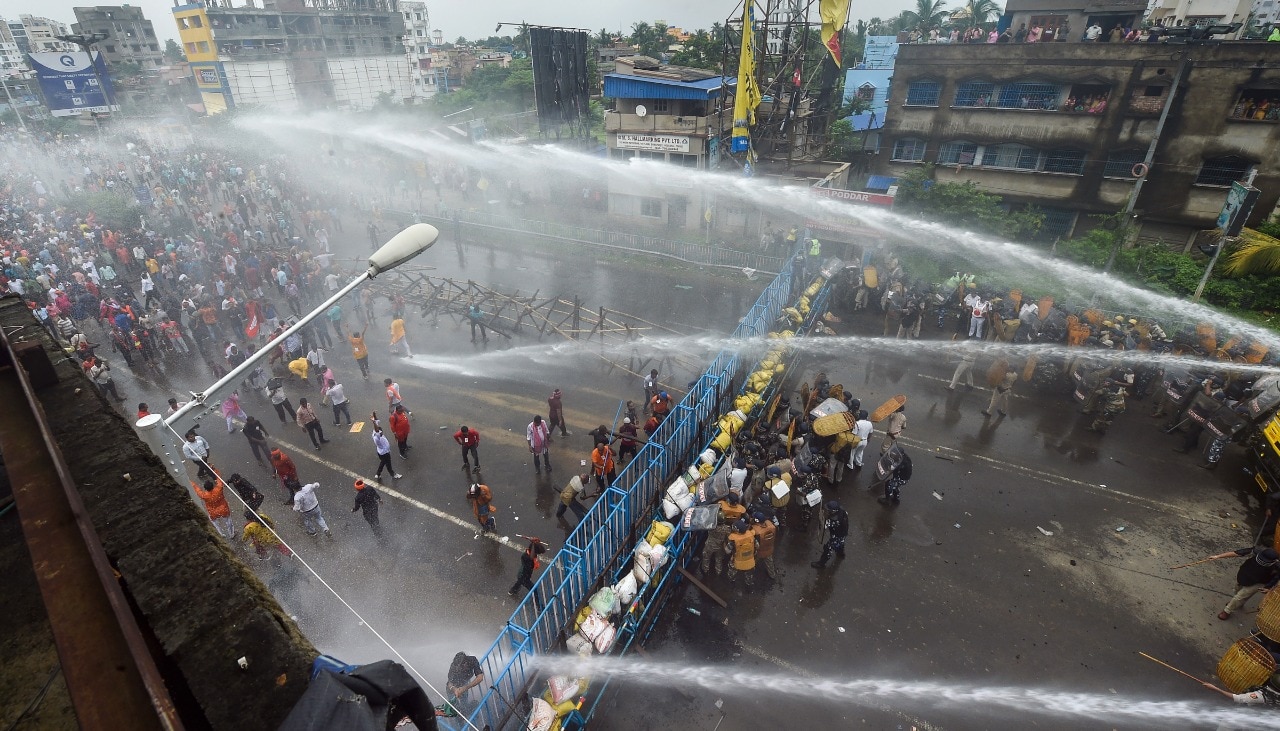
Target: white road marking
976, 388
1053, 478
302, 452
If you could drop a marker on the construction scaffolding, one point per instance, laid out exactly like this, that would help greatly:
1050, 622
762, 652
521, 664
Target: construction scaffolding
799, 80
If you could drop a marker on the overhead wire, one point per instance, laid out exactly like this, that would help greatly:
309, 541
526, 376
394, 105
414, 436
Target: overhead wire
363, 622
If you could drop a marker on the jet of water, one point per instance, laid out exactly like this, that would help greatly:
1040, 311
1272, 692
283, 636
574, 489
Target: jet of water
875, 691
515, 361
540, 162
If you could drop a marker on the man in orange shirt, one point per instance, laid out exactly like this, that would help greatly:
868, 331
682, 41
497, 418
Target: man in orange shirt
216, 506
602, 465
661, 405
360, 352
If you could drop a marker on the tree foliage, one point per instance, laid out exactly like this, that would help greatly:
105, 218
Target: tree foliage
963, 205
842, 141
1256, 253
491, 89
173, 52
703, 50
650, 40
115, 210
978, 12
927, 14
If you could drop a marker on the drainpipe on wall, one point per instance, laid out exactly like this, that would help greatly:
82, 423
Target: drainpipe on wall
1151, 154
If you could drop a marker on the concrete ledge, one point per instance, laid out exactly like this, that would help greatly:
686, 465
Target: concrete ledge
203, 607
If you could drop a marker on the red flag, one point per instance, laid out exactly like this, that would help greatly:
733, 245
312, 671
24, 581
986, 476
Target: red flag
251, 330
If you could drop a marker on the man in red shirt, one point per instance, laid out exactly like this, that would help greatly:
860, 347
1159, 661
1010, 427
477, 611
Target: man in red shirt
469, 439
400, 427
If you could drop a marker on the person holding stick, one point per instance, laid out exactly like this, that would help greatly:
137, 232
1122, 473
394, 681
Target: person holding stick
1259, 573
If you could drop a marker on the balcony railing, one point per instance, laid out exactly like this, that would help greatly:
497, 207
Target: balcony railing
655, 122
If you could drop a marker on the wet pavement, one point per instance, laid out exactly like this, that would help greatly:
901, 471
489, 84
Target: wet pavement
957, 588
959, 585
434, 588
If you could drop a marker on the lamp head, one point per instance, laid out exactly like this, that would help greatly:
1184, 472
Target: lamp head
402, 247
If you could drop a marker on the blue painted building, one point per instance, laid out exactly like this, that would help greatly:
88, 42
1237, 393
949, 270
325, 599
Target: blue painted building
870, 80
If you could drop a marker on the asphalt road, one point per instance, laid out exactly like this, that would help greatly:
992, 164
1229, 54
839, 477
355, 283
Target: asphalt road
957, 588
434, 588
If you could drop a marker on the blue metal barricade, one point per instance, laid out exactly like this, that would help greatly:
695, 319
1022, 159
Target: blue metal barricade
600, 546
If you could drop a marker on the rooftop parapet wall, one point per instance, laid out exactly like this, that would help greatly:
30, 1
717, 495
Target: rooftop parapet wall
203, 607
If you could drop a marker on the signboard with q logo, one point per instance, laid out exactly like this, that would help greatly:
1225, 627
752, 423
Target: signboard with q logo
69, 84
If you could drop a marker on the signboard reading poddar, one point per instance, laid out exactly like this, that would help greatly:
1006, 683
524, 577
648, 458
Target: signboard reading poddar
653, 143
70, 85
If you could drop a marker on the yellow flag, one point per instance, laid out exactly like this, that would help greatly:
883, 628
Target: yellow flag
835, 13
748, 94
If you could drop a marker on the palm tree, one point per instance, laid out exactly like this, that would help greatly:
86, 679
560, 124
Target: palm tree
604, 38
1257, 253
927, 14
980, 11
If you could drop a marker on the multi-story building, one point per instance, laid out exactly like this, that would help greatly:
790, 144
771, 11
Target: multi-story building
1203, 12
417, 48
40, 35
869, 81
1066, 127
130, 36
662, 113
12, 59
1070, 18
292, 54
446, 69
19, 33
453, 65
1266, 13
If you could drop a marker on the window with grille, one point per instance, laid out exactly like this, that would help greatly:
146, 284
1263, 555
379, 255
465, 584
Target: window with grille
957, 153
1222, 170
976, 94
1120, 163
651, 207
1070, 162
1029, 95
1057, 223
923, 93
908, 149
1010, 157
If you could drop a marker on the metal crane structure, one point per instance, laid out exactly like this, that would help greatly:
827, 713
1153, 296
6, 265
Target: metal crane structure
798, 77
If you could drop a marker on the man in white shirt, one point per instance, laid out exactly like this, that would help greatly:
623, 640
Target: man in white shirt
978, 317
306, 503
1091, 35
337, 396
862, 429
539, 438
100, 374
196, 449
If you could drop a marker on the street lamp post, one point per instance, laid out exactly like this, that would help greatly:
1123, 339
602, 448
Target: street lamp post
159, 432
